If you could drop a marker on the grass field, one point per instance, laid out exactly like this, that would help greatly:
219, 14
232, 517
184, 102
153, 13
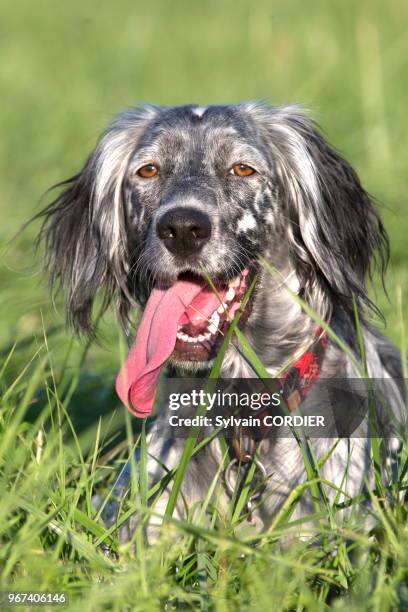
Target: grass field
66, 69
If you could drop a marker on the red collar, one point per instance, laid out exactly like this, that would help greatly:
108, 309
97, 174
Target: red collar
299, 379
295, 384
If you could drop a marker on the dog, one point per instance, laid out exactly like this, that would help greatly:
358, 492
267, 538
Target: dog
174, 196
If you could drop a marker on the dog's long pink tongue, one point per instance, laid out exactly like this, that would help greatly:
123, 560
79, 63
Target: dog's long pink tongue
155, 341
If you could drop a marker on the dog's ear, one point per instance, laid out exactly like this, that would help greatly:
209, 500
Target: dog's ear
335, 230
84, 230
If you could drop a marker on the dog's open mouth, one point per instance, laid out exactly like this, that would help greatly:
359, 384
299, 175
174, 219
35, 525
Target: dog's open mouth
203, 325
184, 323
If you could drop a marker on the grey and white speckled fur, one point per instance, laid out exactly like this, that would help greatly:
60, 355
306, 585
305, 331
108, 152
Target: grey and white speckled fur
304, 210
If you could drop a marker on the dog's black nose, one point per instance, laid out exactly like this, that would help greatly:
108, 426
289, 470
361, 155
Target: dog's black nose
184, 231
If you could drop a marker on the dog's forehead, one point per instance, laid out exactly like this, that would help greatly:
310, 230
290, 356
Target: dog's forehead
212, 115
194, 125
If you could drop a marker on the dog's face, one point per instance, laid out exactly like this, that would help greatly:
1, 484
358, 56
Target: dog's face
171, 196
199, 197
200, 194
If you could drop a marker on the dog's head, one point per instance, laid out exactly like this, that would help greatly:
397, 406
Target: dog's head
170, 195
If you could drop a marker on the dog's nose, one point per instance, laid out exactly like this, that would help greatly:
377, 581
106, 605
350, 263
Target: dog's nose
184, 231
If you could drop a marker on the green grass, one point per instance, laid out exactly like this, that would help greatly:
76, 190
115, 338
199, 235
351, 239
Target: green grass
66, 69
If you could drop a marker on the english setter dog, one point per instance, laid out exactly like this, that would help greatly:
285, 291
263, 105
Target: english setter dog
174, 196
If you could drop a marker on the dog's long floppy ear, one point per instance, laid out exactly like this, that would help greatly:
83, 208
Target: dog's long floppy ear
83, 230
335, 230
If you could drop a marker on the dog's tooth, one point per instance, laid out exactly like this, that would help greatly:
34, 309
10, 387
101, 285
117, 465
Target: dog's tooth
214, 322
201, 338
230, 294
215, 318
213, 329
207, 335
222, 307
190, 339
235, 282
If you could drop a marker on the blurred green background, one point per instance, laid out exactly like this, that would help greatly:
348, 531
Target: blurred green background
68, 67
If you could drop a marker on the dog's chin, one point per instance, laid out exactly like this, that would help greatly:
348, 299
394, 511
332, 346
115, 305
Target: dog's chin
197, 347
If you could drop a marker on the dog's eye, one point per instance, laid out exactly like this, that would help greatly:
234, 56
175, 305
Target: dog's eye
148, 171
242, 170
